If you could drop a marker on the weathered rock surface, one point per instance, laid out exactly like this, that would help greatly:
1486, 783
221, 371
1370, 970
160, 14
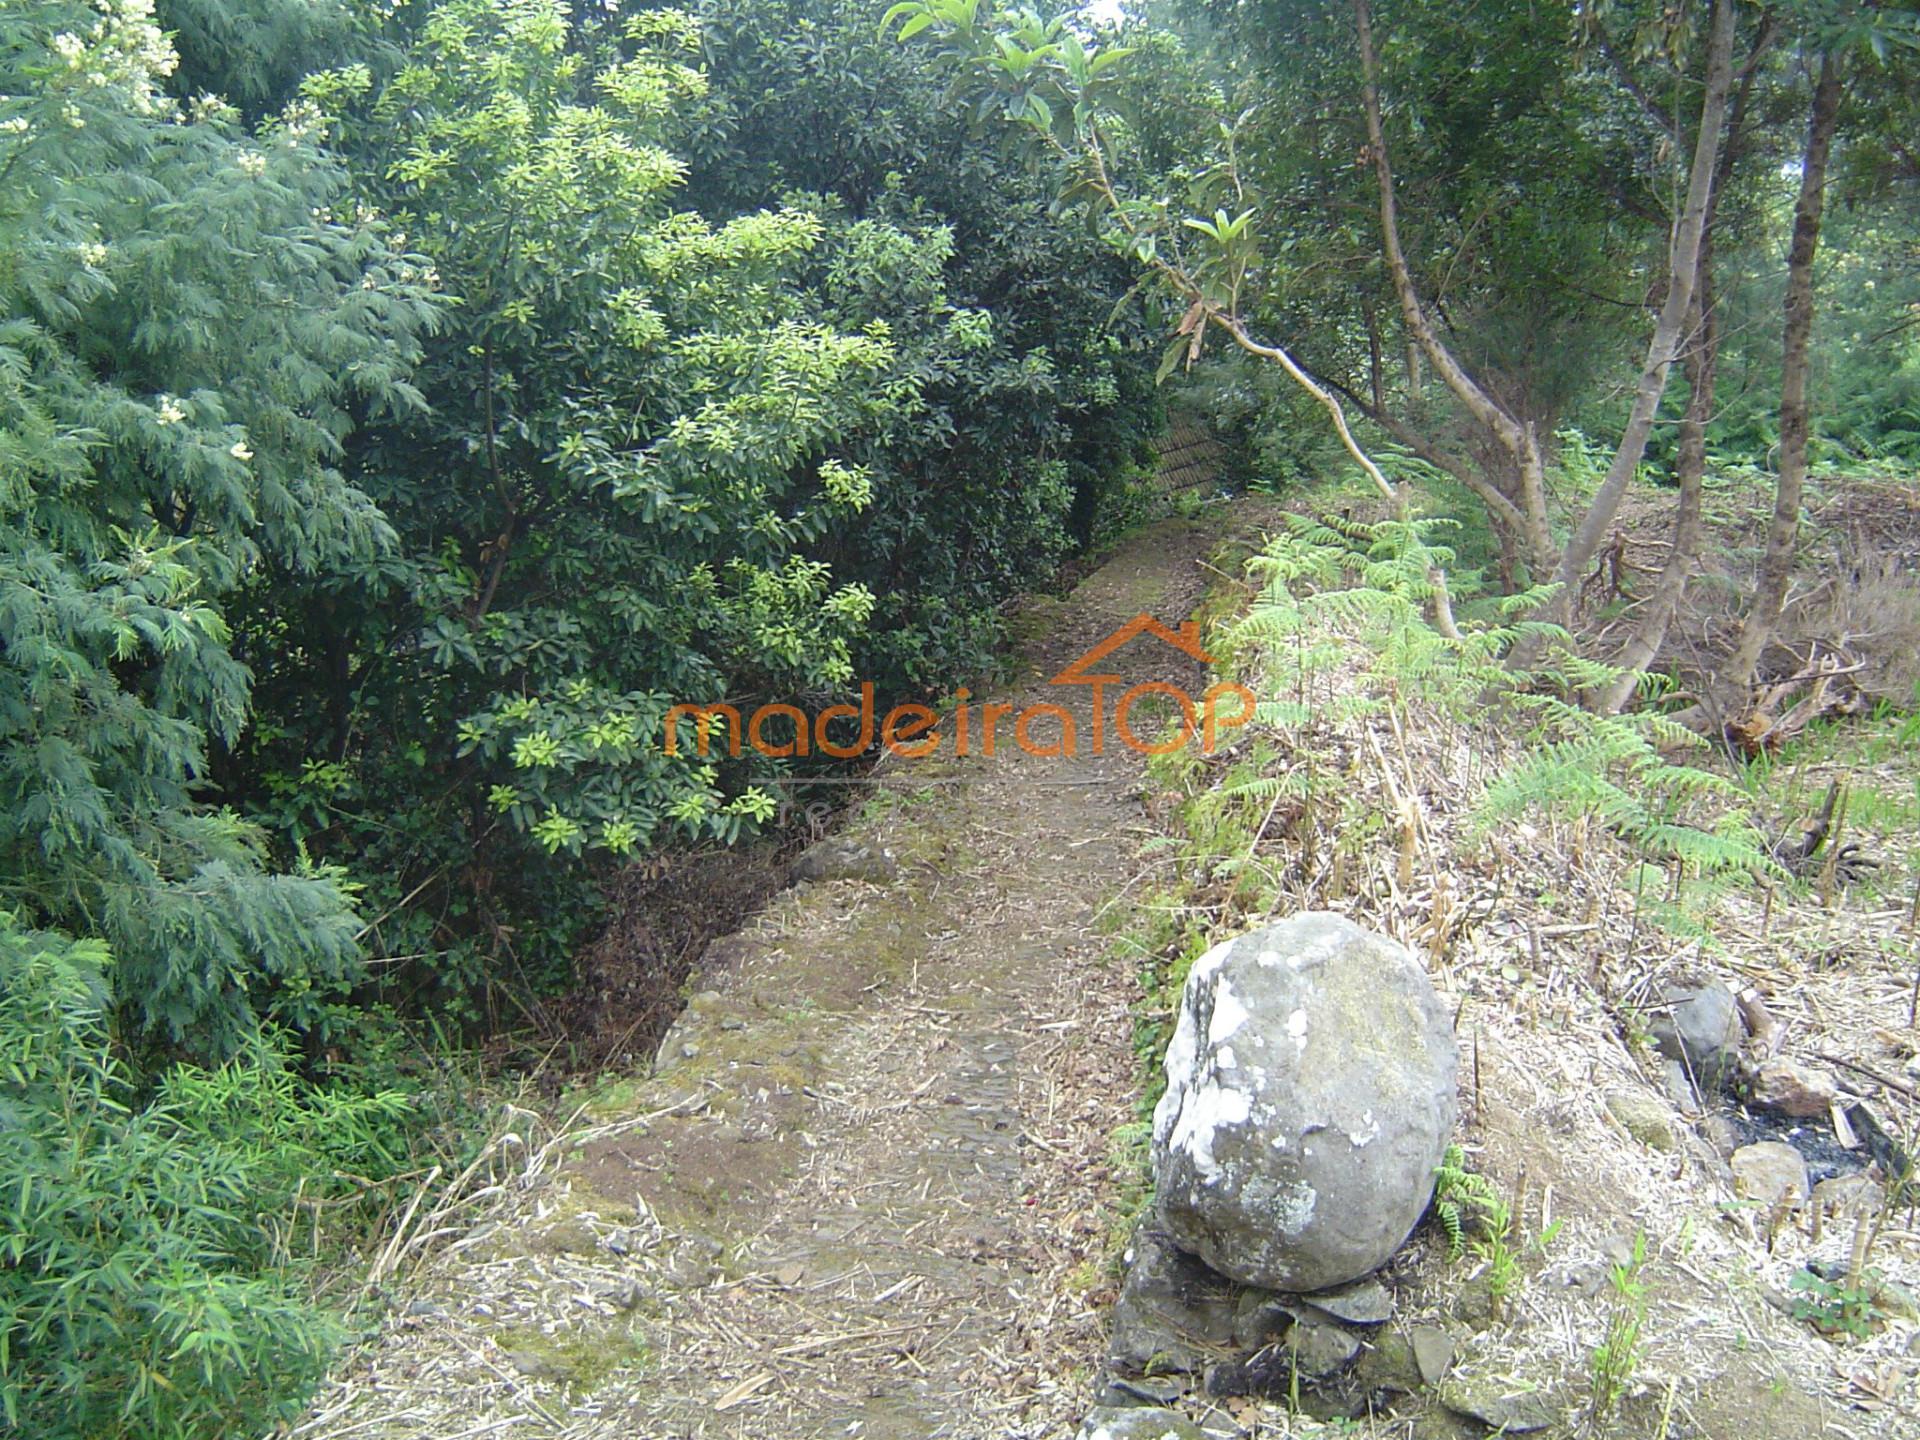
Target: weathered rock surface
1173, 1312
1699, 1024
1847, 1197
1310, 1352
1367, 1302
1310, 1094
844, 859
1139, 1422
1792, 1089
1498, 1404
1121, 1391
1432, 1352
1645, 1117
1769, 1174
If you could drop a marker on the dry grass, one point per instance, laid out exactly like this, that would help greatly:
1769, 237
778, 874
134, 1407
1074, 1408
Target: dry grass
1548, 949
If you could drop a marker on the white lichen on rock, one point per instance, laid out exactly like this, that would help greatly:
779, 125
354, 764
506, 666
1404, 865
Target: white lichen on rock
1260, 1170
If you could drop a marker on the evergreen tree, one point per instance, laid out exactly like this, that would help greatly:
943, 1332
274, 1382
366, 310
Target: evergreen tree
187, 330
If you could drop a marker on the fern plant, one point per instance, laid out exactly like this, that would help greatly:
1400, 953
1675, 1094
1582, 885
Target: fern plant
1357, 599
1462, 1197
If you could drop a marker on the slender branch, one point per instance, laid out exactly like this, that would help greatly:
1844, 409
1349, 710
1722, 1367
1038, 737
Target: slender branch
1682, 268
1516, 438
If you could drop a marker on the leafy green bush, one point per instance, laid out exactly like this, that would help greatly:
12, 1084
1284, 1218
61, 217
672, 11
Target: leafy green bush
768, 447
186, 328
145, 1279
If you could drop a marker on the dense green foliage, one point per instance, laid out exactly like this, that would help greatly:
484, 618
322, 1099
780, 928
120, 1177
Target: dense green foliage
755, 450
186, 336
147, 1287
401, 408
405, 403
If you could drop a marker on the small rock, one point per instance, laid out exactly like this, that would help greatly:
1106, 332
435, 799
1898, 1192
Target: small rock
1319, 1350
1432, 1352
1172, 1311
1700, 1024
1309, 1353
1388, 1364
1644, 1117
733, 1022
1770, 1174
1721, 1134
1364, 1303
1497, 1404
1846, 1197
1678, 1081
689, 1050
1589, 1280
846, 859
1260, 1318
1121, 1391
1793, 1089
426, 1310
1138, 1423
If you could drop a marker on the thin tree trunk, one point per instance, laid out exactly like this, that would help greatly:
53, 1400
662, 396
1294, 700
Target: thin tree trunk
1516, 438
1702, 369
1690, 468
1683, 265
1776, 566
1376, 370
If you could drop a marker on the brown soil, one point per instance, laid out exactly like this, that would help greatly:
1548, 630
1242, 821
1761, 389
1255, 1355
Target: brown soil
868, 1189
871, 1189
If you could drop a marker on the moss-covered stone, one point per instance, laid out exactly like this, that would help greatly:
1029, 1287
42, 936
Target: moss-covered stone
576, 1360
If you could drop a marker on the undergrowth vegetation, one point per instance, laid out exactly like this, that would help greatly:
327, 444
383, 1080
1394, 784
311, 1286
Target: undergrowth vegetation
1410, 777
405, 404
1337, 633
154, 1278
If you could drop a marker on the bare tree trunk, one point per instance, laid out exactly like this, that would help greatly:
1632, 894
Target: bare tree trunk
1516, 438
1776, 566
1690, 468
1702, 369
1376, 370
1683, 266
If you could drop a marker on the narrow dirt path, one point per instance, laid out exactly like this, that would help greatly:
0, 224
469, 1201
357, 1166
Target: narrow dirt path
867, 1194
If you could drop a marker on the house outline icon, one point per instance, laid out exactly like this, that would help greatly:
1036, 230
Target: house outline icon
1186, 640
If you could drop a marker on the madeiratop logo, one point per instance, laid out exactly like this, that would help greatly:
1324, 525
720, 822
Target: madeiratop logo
1150, 717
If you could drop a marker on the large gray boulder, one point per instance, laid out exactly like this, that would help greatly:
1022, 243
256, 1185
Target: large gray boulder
1310, 1094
